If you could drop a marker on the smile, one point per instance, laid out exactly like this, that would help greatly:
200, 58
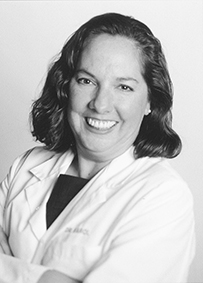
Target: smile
100, 124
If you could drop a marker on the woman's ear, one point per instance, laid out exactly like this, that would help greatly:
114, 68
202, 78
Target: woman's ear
147, 109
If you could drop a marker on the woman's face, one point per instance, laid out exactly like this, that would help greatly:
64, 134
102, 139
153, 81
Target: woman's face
108, 97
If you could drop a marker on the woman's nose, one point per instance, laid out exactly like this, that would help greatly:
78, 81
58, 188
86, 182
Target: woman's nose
102, 101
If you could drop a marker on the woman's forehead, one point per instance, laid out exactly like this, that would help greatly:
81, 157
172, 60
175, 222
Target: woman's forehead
115, 49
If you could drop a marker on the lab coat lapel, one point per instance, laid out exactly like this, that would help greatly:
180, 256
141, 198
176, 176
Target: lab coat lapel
39, 187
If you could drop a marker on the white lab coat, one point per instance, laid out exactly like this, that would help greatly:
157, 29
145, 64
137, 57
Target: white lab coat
133, 222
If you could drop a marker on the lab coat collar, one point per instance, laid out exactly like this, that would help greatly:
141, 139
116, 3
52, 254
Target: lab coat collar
116, 170
54, 164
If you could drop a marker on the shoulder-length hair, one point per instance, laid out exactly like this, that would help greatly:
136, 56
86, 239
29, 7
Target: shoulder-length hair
156, 138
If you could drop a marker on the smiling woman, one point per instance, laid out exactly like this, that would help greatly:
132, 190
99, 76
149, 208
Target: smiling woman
104, 116
156, 137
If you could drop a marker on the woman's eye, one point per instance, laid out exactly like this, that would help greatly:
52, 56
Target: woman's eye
84, 81
126, 88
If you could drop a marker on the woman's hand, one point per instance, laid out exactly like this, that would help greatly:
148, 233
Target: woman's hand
53, 276
4, 246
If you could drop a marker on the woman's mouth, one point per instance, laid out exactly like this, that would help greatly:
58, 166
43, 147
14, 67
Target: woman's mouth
100, 124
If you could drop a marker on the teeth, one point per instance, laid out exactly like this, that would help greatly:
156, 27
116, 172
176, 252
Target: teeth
99, 124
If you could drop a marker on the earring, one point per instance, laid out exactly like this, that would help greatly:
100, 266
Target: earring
149, 111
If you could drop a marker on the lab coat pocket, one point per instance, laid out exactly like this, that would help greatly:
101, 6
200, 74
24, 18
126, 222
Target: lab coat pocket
71, 257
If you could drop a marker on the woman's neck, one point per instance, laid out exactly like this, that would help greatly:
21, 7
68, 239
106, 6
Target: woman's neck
85, 168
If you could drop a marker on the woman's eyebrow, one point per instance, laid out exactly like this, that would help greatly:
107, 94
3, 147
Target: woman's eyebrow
85, 71
126, 79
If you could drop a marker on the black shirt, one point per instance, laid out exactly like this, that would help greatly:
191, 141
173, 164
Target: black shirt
64, 191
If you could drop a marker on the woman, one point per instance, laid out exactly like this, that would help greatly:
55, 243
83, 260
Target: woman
100, 203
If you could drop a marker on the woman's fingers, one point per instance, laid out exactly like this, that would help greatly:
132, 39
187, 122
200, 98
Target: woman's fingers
4, 246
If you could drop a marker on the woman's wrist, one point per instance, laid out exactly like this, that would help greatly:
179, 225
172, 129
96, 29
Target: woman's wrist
53, 276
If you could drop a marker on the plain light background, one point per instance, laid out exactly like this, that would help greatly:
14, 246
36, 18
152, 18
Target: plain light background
33, 32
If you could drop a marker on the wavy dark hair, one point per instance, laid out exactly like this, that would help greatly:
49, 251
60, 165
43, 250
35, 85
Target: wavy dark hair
156, 138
